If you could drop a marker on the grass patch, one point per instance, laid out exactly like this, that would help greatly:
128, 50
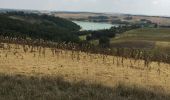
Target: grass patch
151, 34
82, 37
55, 88
143, 38
150, 31
94, 42
133, 44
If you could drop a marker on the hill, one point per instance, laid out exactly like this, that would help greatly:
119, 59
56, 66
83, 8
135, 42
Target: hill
20, 24
32, 72
144, 38
113, 17
130, 67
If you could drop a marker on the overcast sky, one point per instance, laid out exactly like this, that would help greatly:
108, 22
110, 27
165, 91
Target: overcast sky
147, 7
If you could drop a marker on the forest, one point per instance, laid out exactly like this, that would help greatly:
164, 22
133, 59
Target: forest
23, 25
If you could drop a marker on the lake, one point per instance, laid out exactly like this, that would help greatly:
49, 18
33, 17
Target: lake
93, 25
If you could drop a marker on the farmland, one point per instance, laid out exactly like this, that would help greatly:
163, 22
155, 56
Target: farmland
149, 34
148, 37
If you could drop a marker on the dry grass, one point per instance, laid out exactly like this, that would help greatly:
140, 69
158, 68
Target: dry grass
75, 15
55, 88
73, 67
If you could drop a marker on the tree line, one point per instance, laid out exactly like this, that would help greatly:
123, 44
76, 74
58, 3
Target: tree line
20, 24
104, 35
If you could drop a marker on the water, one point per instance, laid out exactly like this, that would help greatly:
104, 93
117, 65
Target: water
94, 25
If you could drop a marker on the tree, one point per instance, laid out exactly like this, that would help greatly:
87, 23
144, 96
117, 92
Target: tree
104, 42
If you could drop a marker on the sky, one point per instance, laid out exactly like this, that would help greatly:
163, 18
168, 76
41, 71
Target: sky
143, 7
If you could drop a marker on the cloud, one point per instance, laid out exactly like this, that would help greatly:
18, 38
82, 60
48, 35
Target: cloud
155, 2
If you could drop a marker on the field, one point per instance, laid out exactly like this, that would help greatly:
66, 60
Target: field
150, 34
38, 73
144, 38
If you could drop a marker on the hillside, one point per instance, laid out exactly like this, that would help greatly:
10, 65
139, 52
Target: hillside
29, 72
144, 38
20, 24
150, 34
112, 17
43, 58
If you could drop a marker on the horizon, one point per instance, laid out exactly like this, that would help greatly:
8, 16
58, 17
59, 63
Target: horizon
84, 12
144, 7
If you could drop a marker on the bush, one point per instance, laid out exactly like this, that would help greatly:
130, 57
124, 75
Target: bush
104, 41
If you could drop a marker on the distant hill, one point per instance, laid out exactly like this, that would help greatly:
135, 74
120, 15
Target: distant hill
20, 24
112, 17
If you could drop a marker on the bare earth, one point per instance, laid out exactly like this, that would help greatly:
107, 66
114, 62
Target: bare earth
76, 67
